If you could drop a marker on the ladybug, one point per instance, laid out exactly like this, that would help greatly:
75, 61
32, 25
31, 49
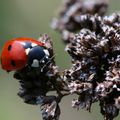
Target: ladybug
21, 52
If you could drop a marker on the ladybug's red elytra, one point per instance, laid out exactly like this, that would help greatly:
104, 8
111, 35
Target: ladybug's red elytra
19, 52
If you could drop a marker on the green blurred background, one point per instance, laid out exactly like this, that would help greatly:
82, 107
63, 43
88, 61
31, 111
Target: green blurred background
29, 18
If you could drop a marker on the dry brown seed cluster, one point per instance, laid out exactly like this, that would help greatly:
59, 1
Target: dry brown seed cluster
95, 71
70, 18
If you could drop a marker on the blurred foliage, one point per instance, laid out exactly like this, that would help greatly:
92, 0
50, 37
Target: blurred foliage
30, 18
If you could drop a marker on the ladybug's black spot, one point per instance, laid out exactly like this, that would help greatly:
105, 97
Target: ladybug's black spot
13, 63
9, 47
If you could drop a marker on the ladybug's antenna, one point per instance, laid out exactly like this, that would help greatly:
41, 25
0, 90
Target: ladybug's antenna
47, 62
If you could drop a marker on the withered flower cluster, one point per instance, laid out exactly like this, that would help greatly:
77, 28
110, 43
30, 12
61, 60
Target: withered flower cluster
37, 82
95, 71
70, 20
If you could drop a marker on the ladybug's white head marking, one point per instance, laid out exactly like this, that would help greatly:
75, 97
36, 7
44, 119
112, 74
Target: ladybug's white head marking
46, 52
33, 44
35, 63
27, 51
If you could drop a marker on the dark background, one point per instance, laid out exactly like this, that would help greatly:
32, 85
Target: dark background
29, 18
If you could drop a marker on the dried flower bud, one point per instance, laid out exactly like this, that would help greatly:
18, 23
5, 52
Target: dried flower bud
50, 108
84, 100
78, 87
104, 88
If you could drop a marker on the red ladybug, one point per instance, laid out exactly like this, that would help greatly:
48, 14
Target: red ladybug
20, 52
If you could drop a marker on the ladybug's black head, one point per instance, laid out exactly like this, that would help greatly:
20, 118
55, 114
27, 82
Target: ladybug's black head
37, 56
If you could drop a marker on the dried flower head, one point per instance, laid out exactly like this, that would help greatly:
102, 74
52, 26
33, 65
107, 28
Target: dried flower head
70, 15
95, 72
